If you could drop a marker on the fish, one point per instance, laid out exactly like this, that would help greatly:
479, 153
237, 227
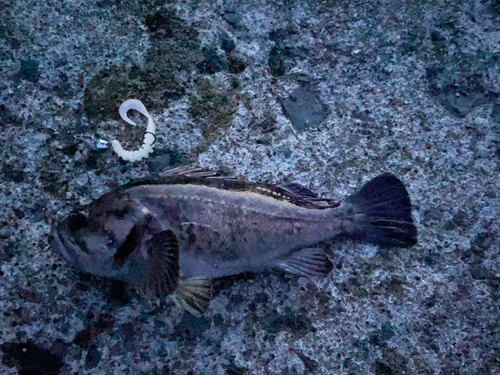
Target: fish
174, 233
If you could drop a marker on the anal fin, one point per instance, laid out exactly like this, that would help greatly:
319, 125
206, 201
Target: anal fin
309, 262
195, 294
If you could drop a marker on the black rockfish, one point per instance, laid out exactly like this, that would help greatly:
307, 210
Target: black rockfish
174, 233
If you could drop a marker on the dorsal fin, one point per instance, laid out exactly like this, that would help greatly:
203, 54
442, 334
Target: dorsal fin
298, 190
290, 192
188, 171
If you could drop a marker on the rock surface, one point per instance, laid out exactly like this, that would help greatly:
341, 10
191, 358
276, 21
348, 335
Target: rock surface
410, 87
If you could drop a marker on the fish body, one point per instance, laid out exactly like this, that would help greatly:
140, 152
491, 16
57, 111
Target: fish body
196, 226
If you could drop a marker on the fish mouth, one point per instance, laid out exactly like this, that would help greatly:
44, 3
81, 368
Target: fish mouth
59, 243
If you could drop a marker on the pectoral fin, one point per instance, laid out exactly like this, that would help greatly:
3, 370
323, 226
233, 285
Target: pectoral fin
163, 264
309, 262
195, 294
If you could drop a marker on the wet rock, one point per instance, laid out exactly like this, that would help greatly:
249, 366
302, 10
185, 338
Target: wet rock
304, 109
29, 70
463, 96
31, 359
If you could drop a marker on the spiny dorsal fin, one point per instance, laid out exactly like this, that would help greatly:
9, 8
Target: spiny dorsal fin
309, 262
163, 263
195, 294
198, 176
298, 191
188, 171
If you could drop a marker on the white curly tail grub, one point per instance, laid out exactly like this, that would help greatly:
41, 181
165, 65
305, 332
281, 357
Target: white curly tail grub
149, 137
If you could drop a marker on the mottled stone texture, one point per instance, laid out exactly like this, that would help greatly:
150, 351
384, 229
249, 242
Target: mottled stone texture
410, 87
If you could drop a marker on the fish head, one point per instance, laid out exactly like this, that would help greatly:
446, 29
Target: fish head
98, 239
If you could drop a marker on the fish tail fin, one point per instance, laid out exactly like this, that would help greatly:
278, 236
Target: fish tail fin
381, 213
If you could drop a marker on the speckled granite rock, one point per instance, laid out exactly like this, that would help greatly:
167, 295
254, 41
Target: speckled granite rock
404, 86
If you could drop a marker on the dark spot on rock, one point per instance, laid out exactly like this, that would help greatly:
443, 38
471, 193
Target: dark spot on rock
396, 286
286, 152
213, 108
213, 63
92, 358
439, 43
237, 299
434, 214
495, 113
7, 117
174, 48
30, 296
382, 369
19, 214
381, 336
159, 163
30, 359
118, 292
159, 26
462, 96
29, 70
63, 89
393, 362
174, 93
10, 250
266, 125
235, 66
275, 62
280, 35
482, 242
91, 162
128, 331
493, 364
309, 364
297, 322
460, 221
59, 348
478, 272
15, 43
303, 109
226, 43
353, 286
218, 320
232, 369
261, 298
70, 149
97, 324
190, 328
12, 173
232, 18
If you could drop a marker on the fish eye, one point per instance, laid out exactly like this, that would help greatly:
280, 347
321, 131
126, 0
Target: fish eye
111, 237
76, 221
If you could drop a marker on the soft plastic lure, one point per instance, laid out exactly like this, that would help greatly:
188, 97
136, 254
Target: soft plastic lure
149, 136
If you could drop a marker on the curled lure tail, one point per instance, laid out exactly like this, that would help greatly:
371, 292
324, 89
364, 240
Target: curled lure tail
149, 136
